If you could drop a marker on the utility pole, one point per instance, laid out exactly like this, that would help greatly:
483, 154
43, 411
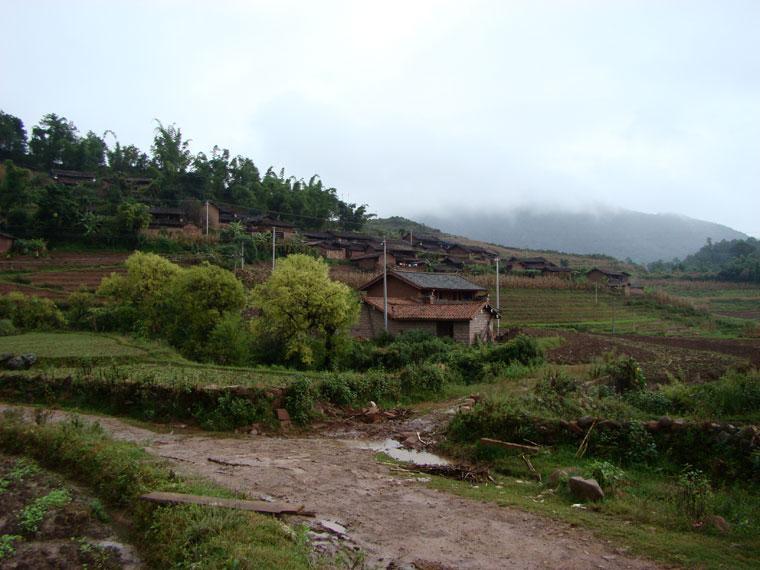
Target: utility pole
596, 293
498, 303
385, 285
411, 238
206, 217
613, 311
242, 254
274, 237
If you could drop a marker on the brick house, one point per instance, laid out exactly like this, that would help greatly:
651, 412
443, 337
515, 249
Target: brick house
442, 304
6, 242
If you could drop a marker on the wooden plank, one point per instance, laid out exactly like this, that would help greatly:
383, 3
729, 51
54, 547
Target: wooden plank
508, 445
255, 506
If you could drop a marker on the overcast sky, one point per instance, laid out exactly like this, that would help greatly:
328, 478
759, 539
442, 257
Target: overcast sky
418, 106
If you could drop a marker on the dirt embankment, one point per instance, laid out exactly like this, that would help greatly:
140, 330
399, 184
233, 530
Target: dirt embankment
396, 520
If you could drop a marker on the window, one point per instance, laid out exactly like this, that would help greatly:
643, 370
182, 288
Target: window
444, 329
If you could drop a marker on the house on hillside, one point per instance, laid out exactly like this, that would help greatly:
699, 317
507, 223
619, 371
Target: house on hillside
372, 261
609, 278
167, 217
72, 177
442, 304
263, 224
6, 242
328, 249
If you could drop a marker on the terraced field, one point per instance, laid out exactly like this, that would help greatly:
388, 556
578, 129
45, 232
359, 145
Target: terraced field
584, 310
735, 300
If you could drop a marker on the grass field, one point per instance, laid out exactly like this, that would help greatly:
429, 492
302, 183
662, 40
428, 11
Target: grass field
114, 356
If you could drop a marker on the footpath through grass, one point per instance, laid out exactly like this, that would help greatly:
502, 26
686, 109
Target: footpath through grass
187, 536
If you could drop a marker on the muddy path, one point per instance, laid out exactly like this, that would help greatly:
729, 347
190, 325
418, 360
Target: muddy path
396, 520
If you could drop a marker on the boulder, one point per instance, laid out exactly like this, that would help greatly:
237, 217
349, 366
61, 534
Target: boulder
30, 358
5, 357
585, 489
16, 363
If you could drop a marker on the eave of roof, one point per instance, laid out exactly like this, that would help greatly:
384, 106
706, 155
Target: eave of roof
406, 310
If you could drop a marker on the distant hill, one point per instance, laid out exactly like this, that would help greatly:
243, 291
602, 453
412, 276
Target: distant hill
396, 226
618, 233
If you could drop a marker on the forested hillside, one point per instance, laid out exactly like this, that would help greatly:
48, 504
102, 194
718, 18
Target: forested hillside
734, 260
111, 206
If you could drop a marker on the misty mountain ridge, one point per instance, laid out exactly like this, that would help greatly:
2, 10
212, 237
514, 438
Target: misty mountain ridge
620, 233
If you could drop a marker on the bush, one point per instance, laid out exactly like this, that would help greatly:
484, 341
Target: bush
736, 394
6, 327
337, 390
79, 308
652, 401
606, 474
30, 313
418, 380
522, 349
694, 493
625, 375
230, 342
35, 247
299, 401
231, 412
116, 318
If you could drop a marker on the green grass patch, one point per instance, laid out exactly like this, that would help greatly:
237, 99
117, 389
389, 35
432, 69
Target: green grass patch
641, 512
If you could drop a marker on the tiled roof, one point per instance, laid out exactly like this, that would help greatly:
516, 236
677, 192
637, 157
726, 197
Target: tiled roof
406, 310
439, 281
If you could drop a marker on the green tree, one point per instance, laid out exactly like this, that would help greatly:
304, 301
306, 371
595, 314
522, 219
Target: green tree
130, 218
199, 298
144, 286
12, 138
52, 141
303, 311
14, 187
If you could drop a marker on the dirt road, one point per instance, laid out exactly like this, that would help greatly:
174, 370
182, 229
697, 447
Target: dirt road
395, 520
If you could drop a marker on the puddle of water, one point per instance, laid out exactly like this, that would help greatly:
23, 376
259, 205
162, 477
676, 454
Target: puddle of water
393, 448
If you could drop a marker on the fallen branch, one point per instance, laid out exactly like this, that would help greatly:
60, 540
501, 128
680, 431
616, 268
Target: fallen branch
533, 471
242, 505
460, 472
508, 445
229, 463
583, 447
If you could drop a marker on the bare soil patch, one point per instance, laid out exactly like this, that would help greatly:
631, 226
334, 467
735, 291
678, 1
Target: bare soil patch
690, 359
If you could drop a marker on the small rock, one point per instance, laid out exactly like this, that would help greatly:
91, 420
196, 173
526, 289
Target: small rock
283, 415
585, 422
652, 425
586, 489
664, 422
333, 527
5, 357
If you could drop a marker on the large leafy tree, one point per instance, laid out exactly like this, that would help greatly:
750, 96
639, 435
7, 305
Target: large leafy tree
12, 138
303, 312
53, 140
